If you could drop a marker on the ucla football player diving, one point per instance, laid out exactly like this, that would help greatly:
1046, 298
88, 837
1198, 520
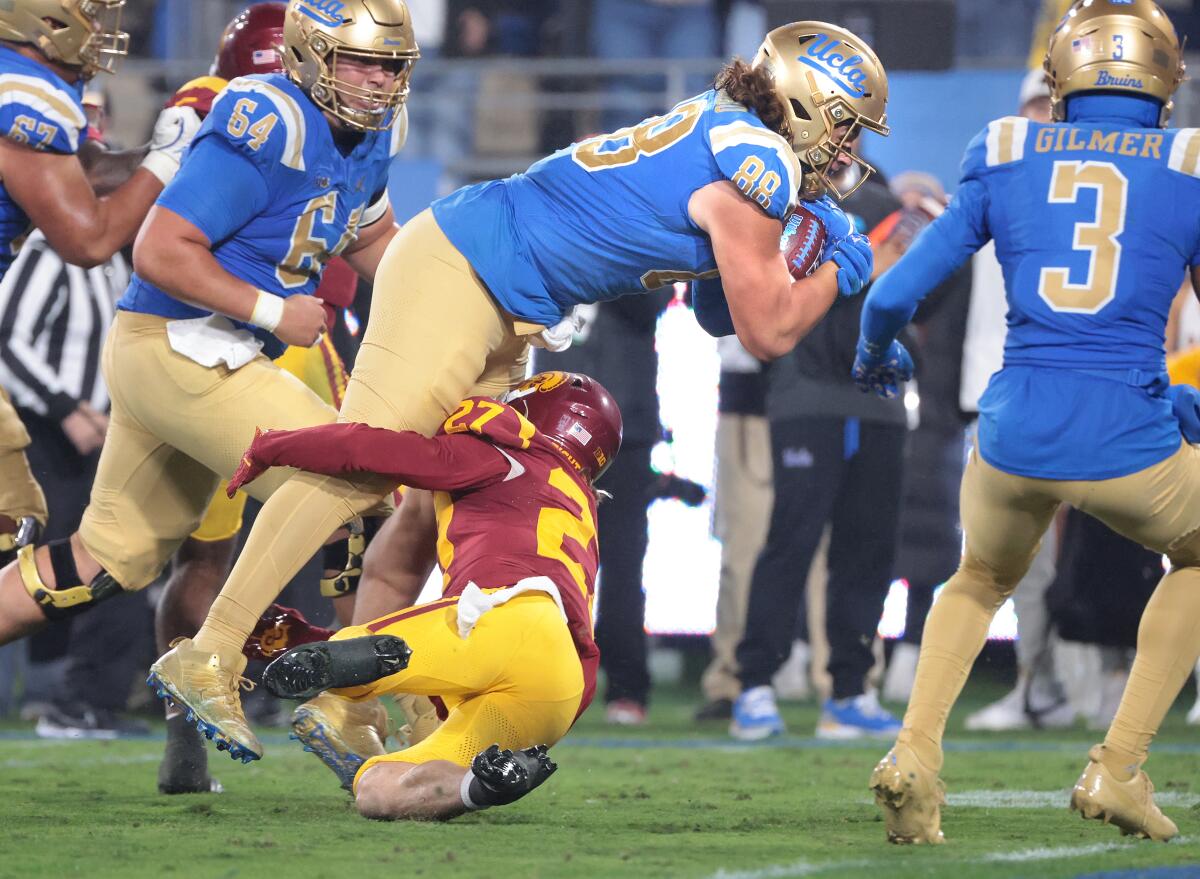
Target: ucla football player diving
1096, 220
48, 50
286, 171
466, 286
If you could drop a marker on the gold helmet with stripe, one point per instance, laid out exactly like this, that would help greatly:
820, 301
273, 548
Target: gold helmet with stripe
1126, 46
78, 33
832, 86
317, 33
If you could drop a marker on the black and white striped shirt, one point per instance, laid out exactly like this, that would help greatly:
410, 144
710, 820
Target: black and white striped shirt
53, 320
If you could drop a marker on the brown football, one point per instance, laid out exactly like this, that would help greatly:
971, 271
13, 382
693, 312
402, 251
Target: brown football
802, 242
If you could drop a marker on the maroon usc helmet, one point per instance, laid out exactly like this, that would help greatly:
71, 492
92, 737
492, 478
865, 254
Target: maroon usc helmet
575, 413
252, 42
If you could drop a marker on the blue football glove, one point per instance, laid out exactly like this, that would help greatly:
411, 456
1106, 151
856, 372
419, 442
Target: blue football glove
855, 262
1185, 406
833, 218
881, 371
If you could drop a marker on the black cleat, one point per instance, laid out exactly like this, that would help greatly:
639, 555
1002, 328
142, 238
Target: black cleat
503, 777
309, 669
184, 766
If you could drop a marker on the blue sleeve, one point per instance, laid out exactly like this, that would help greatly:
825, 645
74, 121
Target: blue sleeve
711, 308
938, 251
218, 189
41, 116
758, 161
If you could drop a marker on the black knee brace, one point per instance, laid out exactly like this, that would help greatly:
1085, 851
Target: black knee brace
64, 601
346, 556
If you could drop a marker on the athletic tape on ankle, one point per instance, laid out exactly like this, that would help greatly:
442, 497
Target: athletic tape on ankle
464, 791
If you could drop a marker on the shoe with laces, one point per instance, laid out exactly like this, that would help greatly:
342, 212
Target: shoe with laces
855, 718
343, 734
625, 712
195, 680
1127, 804
756, 716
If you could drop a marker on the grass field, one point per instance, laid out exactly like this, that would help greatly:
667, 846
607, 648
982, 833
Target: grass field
673, 800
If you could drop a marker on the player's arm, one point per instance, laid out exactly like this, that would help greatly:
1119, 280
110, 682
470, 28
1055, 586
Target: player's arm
445, 463
770, 311
107, 169
938, 251
367, 250
216, 193
53, 190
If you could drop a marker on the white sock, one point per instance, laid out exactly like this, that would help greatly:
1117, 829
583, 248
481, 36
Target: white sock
464, 791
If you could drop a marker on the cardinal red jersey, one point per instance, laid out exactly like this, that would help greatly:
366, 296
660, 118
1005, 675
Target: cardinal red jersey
508, 505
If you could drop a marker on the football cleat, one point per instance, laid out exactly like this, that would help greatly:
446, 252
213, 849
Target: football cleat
343, 734
911, 797
309, 669
756, 716
625, 712
420, 717
184, 766
856, 718
504, 776
1127, 804
194, 680
281, 628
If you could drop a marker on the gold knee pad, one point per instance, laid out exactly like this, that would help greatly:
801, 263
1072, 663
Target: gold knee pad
63, 602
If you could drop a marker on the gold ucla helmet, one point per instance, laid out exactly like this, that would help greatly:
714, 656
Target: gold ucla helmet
825, 77
1127, 46
78, 33
318, 32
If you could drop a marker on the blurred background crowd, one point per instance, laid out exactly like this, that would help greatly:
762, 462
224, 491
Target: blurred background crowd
773, 534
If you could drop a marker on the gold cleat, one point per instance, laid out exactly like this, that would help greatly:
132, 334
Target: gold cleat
911, 797
1127, 804
343, 734
420, 717
195, 681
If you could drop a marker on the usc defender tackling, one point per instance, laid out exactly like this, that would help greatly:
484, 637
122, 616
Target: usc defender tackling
508, 648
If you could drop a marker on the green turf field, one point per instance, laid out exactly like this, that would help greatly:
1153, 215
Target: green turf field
674, 800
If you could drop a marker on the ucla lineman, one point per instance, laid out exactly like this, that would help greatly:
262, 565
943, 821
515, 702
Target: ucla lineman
286, 171
1096, 218
48, 50
465, 286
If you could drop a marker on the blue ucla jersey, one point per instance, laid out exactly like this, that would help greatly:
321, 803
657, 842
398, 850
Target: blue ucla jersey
1095, 223
608, 216
41, 110
267, 184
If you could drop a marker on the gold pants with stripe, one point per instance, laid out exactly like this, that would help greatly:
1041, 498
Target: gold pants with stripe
175, 430
515, 680
20, 495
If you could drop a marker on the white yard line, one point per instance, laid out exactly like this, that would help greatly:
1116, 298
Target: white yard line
1048, 799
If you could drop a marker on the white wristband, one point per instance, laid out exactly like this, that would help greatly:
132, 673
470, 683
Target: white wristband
268, 311
161, 165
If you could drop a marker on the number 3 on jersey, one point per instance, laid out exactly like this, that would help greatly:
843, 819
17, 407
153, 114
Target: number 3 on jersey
1099, 238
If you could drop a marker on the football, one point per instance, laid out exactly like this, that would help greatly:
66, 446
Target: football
802, 242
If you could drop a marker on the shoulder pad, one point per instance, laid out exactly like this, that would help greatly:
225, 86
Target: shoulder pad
36, 112
262, 120
498, 423
199, 94
1001, 143
759, 161
1184, 156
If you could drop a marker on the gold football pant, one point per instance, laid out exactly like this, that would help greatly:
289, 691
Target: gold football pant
435, 335
1004, 517
515, 680
175, 429
20, 495
321, 368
